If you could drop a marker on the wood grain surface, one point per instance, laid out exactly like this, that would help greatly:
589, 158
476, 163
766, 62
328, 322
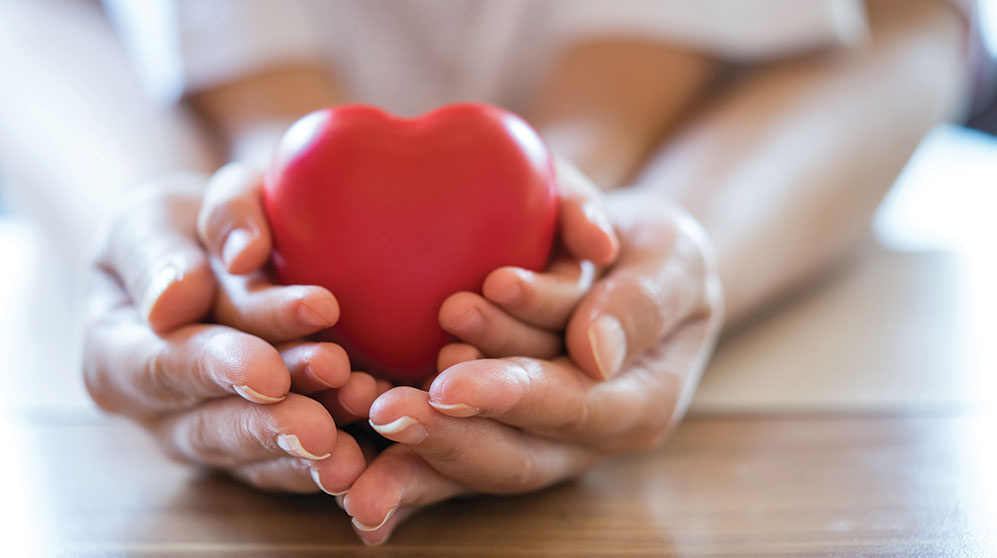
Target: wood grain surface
736, 486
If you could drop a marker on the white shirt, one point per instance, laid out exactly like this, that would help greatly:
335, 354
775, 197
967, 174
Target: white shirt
409, 56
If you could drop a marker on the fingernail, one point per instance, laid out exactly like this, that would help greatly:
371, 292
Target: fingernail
292, 445
513, 294
609, 345
405, 430
251, 394
597, 216
310, 372
363, 527
161, 280
472, 321
235, 242
316, 315
318, 482
459, 410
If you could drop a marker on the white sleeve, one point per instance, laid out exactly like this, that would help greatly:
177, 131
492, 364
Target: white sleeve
185, 45
736, 30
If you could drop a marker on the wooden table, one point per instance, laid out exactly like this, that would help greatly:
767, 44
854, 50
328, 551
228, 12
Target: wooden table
740, 486
854, 419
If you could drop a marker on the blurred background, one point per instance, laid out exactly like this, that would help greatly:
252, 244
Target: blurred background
920, 297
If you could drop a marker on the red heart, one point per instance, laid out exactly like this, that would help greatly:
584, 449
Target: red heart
393, 215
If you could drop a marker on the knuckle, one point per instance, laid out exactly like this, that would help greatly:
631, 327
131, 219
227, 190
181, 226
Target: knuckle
519, 377
202, 443
250, 425
649, 294
154, 378
522, 477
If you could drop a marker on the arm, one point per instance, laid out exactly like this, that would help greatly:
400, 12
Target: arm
248, 115
516, 424
607, 102
76, 130
75, 135
785, 169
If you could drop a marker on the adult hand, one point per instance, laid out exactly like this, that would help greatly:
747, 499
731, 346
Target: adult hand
209, 394
638, 343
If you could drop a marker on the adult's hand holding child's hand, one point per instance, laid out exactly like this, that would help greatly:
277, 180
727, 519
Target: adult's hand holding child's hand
209, 394
214, 395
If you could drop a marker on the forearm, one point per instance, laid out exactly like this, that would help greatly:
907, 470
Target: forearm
249, 115
786, 171
76, 131
607, 101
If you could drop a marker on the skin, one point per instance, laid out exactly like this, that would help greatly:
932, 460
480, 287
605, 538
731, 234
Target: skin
516, 424
533, 421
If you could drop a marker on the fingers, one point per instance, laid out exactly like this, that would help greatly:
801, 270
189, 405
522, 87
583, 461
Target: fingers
272, 312
129, 369
315, 367
658, 282
152, 249
230, 432
555, 399
479, 453
352, 401
541, 299
336, 475
478, 322
455, 353
393, 486
333, 475
585, 228
232, 223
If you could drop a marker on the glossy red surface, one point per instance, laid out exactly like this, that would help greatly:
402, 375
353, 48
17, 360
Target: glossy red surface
393, 215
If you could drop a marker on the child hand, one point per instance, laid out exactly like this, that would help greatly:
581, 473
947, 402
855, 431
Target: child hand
235, 231
518, 424
525, 313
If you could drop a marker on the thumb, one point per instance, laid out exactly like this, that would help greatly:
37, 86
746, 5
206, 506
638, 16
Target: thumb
584, 225
232, 223
152, 249
645, 297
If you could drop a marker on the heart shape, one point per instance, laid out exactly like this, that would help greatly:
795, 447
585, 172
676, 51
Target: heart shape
394, 215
